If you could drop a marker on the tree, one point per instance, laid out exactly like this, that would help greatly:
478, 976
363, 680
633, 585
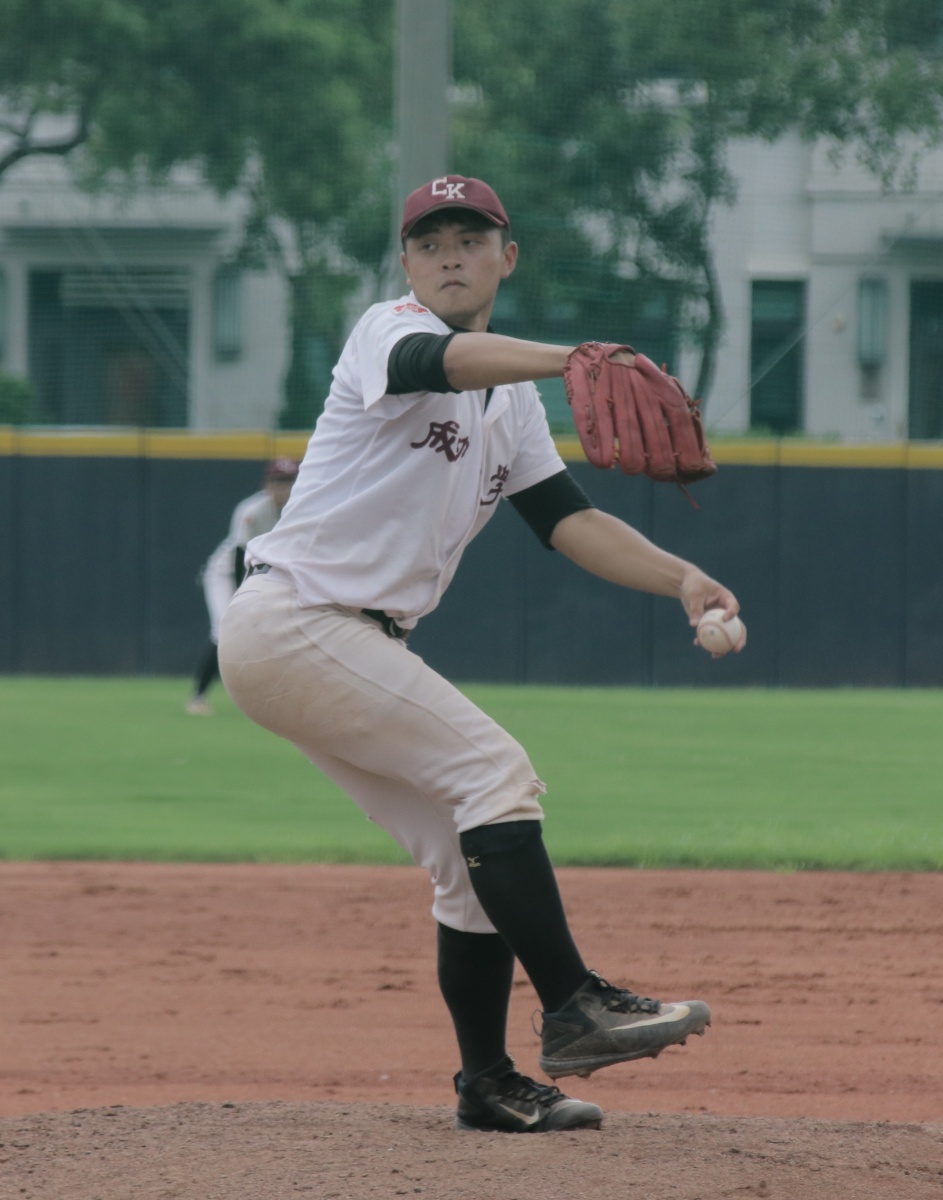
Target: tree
57, 59
288, 98
607, 123
291, 99
16, 399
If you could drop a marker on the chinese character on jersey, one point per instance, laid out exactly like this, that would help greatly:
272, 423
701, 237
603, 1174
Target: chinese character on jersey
443, 439
498, 480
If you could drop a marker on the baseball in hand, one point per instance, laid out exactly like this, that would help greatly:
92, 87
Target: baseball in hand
717, 635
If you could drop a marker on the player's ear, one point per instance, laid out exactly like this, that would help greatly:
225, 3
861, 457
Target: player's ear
402, 259
510, 259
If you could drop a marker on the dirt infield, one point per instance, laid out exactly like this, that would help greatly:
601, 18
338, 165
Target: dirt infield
258, 1032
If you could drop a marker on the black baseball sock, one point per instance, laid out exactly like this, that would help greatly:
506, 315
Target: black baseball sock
475, 975
513, 879
208, 669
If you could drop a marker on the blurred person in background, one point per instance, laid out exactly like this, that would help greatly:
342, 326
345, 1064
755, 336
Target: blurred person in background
225, 569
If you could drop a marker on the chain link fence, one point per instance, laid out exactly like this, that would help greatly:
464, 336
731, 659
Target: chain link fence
757, 215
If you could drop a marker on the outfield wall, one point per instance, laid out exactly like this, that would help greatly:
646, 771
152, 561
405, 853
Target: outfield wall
835, 552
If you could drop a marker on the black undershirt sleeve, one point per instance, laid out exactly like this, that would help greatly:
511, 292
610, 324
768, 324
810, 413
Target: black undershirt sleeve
415, 364
544, 505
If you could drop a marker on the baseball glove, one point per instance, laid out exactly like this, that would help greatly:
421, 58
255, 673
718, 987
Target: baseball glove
636, 417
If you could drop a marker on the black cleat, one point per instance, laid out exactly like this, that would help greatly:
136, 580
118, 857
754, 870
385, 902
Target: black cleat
501, 1100
600, 1025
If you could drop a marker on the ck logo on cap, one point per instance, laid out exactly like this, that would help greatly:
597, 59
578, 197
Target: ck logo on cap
451, 191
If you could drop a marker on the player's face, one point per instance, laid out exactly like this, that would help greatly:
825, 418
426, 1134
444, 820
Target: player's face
280, 490
455, 269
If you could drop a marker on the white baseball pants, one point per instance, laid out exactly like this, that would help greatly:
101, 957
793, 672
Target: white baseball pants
417, 756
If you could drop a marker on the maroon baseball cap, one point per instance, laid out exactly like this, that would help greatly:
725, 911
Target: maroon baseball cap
453, 191
281, 470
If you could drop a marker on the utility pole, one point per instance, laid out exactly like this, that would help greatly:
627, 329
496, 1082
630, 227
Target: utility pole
423, 70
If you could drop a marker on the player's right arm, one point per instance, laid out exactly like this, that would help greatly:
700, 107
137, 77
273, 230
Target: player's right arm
608, 547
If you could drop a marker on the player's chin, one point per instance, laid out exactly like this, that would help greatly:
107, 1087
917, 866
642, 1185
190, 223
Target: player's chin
453, 308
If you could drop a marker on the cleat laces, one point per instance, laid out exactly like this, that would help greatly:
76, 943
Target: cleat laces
620, 1000
515, 1086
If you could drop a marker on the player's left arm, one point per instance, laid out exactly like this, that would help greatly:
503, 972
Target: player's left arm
606, 546
244, 529
464, 361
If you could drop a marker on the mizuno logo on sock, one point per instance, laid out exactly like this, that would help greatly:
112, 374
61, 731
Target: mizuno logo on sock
473, 860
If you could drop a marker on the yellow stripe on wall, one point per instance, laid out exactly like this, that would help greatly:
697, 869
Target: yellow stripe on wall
49, 444
257, 445
260, 446
149, 443
789, 453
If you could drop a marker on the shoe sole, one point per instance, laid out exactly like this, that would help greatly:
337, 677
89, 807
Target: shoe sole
584, 1067
464, 1127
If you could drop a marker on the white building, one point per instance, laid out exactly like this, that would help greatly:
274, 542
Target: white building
833, 292
127, 311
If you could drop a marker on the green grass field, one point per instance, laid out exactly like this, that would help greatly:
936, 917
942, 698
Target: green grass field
114, 769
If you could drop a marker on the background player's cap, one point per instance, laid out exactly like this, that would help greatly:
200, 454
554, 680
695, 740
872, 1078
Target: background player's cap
281, 469
453, 191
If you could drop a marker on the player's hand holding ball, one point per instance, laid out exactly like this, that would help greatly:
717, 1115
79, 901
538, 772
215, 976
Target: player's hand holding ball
707, 604
718, 634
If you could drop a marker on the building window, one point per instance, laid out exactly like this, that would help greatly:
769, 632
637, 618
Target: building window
777, 336
926, 359
227, 314
872, 323
110, 348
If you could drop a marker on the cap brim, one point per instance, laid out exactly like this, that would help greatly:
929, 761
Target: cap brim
498, 224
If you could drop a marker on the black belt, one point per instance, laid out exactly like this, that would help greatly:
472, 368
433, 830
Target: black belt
390, 628
389, 625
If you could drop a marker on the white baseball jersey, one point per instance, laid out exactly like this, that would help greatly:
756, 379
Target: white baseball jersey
255, 515
393, 488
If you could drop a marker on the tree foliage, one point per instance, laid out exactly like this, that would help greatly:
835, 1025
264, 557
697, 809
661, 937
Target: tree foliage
607, 124
604, 124
16, 399
291, 99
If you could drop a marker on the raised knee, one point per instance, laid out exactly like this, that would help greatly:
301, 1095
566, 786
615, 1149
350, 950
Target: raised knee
500, 838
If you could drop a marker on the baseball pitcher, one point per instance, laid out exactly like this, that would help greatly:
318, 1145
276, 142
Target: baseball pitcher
433, 419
